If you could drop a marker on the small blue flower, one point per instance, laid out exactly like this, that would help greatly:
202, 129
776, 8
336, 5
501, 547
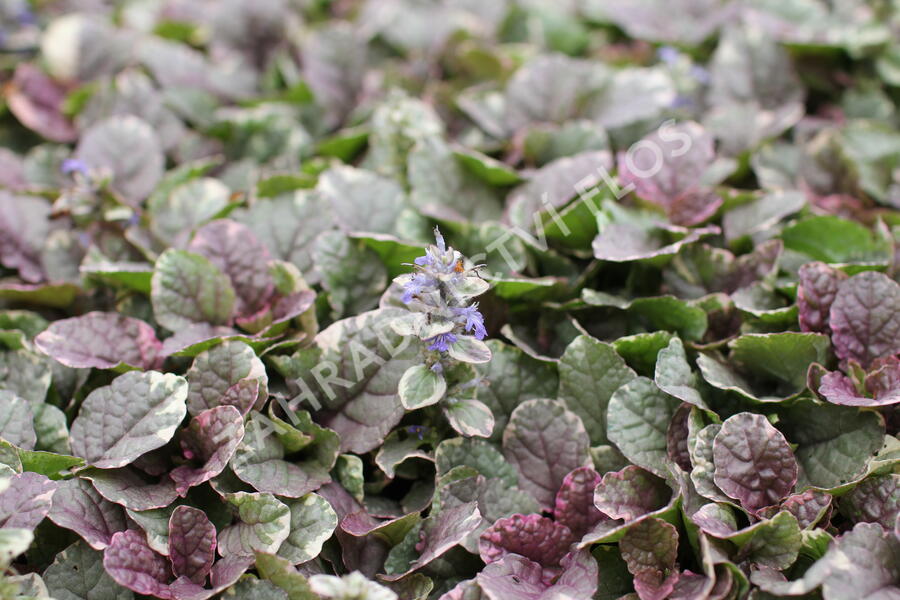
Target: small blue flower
681, 101
700, 74
26, 17
425, 261
474, 320
417, 430
668, 55
441, 342
73, 165
437, 368
415, 286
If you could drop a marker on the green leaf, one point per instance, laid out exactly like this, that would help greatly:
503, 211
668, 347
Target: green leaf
470, 350
420, 387
175, 216
834, 240
480, 455
512, 378
590, 371
674, 375
280, 572
784, 357
488, 169
469, 417
312, 523
188, 289
771, 542
263, 524
352, 274
835, 442
637, 421
77, 574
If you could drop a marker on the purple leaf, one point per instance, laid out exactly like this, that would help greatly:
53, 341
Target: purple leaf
366, 411
574, 506
236, 251
677, 437
293, 305
209, 442
816, 290
545, 442
522, 579
630, 493
79, 507
650, 549
883, 380
535, 537
809, 506
716, 519
865, 318
37, 101
136, 413
128, 149
875, 500
26, 501
192, 543
130, 488
24, 225
753, 461
16, 421
837, 388
225, 375
101, 340
443, 531
134, 565
667, 168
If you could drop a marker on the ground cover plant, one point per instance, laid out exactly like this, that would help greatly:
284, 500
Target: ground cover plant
408, 300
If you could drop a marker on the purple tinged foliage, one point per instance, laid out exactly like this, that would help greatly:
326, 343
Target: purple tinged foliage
192, 544
865, 318
78, 506
535, 537
817, 287
667, 169
650, 549
233, 366
630, 493
207, 445
753, 461
880, 388
574, 506
101, 340
134, 565
26, 501
518, 577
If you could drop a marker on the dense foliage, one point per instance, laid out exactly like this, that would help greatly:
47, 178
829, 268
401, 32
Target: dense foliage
458, 300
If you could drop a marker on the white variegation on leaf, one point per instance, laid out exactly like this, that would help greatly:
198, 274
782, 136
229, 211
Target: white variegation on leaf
420, 386
470, 417
467, 349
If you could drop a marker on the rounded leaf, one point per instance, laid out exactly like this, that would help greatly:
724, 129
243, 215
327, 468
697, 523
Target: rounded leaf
136, 413
753, 461
420, 386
